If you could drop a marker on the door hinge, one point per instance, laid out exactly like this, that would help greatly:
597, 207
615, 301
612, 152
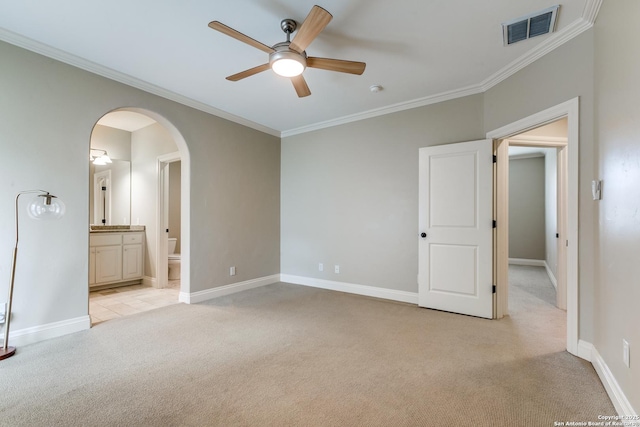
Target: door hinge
557, 235
495, 159
493, 289
495, 223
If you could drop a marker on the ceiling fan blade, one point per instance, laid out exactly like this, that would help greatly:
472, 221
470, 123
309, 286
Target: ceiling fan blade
300, 85
219, 26
313, 24
351, 67
248, 73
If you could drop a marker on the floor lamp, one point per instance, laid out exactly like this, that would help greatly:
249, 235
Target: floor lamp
43, 206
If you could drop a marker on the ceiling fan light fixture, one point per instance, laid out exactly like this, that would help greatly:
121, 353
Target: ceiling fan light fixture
287, 63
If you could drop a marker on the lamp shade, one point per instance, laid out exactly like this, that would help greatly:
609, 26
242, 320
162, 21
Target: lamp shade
46, 206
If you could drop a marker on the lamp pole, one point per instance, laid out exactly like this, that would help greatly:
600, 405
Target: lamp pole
57, 211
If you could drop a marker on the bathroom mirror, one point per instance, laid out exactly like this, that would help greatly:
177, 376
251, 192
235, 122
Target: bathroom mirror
110, 193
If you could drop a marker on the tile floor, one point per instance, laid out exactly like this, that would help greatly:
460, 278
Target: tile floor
111, 303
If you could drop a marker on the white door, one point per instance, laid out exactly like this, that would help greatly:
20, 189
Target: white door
456, 228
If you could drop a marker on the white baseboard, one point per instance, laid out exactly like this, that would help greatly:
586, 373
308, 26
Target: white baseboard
617, 396
38, 333
220, 291
552, 277
150, 281
370, 291
585, 350
524, 261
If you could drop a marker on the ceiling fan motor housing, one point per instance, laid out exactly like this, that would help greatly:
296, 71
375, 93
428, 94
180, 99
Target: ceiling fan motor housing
283, 52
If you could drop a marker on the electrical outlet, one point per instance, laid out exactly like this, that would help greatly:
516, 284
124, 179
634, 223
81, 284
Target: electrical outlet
320, 267
337, 269
625, 353
232, 271
3, 312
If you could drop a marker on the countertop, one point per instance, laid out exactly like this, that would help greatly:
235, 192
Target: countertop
116, 228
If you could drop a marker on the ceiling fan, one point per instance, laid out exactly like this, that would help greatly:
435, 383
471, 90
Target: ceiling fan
289, 58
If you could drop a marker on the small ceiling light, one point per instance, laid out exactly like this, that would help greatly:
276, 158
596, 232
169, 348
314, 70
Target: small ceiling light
376, 88
286, 62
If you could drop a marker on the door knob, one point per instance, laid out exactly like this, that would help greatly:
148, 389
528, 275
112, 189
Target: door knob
423, 235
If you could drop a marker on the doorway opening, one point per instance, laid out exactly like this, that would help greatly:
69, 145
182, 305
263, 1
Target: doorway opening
169, 193
124, 256
567, 208
537, 203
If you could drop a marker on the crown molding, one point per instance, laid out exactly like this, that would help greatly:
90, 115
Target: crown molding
92, 67
592, 7
415, 103
574, 29
591, 10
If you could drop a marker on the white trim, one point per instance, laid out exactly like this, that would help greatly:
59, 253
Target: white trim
220, 291
591, 10
552, 276
101, 70
535, 140
50, 330
571, 110
535, 120
525, 261
552, 42
370, 291
617, 396
585, 350
526, 156
162, 263
402, 106
150, 281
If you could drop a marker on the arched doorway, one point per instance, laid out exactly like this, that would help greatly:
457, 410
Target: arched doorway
150, 136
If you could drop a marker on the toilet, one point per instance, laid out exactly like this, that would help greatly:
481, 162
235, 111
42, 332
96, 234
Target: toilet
174, 260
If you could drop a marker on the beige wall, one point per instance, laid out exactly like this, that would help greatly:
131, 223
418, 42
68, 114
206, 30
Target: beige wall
561, 75
617, 296
146, 145
47, 112
350, 193
527, 208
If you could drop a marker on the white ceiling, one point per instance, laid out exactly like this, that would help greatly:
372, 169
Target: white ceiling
420, 51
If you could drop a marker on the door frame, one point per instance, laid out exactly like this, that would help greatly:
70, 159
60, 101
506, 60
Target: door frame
162, 211
571, 110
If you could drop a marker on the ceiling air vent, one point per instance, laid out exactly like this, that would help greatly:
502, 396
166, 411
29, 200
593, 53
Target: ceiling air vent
535, 24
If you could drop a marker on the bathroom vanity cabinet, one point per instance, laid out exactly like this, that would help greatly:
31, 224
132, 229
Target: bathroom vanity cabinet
115, 259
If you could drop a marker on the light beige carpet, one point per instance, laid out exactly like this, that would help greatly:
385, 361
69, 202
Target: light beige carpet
286, 355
